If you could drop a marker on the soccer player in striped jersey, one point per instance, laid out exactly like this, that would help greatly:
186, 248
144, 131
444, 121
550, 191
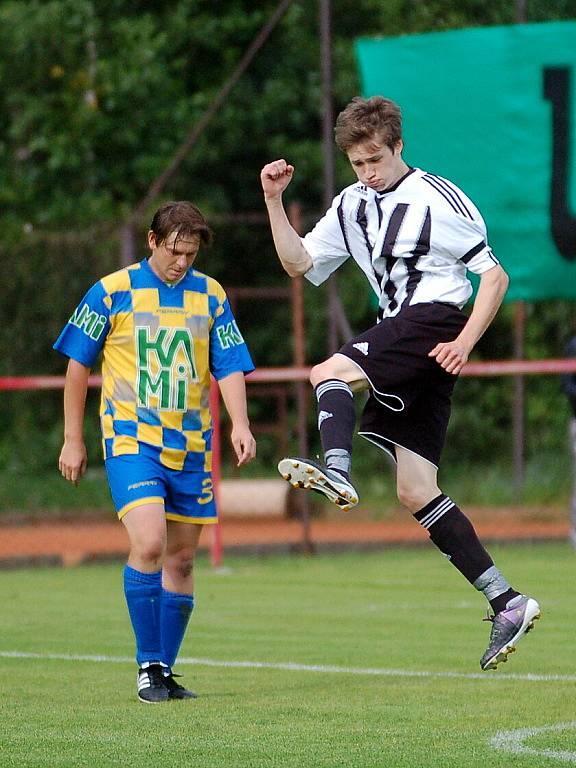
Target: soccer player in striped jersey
163, 328
415, 235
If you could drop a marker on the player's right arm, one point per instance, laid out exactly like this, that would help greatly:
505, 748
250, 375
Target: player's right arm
295, 259
73, 456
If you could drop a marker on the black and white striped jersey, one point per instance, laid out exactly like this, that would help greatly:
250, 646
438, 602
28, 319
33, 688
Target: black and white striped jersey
414, 241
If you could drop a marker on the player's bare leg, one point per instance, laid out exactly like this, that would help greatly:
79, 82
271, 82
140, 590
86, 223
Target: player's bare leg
177, 598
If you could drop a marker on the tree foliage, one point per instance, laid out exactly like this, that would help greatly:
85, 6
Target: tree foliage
96, 97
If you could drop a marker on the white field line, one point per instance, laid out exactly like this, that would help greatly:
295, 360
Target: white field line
295, 667
513, 741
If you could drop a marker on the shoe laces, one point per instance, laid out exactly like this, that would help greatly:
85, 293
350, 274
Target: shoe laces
169, 681
497, 626
155, 674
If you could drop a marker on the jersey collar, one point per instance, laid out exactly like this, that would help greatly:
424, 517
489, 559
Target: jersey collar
159, 279
395, 186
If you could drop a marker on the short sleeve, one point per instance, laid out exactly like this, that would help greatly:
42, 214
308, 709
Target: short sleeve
83, 336
466, 240
327, 243
228, 350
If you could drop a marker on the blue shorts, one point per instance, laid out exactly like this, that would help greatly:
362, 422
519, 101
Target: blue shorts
188, 497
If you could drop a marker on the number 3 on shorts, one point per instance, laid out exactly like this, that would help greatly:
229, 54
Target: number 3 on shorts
207, 491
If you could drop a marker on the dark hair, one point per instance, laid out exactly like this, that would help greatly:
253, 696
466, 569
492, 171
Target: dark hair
366, 119
184, 219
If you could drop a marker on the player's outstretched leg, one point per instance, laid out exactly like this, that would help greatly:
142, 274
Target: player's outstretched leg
336, 421
454, 535
305, 473
508, 627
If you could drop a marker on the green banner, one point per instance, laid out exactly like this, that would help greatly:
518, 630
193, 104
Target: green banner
494, 110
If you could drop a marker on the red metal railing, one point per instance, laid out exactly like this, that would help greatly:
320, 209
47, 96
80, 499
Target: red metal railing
293, 374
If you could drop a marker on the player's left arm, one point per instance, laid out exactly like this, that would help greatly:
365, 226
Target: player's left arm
233, 389
453, 355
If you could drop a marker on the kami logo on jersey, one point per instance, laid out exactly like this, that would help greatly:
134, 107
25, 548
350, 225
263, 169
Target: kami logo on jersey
165, 367
229, 335
88, 321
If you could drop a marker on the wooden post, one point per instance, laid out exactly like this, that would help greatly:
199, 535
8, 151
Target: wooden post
127, 247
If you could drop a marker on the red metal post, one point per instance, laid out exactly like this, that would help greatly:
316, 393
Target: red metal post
216, 543
299, 341
518, 404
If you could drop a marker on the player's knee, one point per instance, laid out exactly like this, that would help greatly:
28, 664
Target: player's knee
414, 497
150, 550
318, 374
180, 564
324, 371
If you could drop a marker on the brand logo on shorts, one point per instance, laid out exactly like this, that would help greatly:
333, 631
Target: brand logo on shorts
361, 346
322, 416
142, 484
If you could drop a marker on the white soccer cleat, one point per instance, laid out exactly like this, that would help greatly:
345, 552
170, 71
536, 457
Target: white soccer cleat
310, 475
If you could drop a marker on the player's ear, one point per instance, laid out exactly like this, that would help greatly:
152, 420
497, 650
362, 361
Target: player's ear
399, 147
151, 240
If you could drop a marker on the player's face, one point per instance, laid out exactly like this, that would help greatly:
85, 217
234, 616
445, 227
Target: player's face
375, 164
171, 259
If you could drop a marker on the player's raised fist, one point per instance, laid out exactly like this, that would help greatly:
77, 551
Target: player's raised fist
275, 177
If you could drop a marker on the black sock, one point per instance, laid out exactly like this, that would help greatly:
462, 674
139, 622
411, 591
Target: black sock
454, 535
336, 422
499, 603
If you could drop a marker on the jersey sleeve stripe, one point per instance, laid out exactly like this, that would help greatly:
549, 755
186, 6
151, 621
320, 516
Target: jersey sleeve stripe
473, 251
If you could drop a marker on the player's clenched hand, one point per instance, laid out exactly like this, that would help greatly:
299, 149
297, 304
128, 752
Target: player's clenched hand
243, 443
451, 355
275, 177
72, 461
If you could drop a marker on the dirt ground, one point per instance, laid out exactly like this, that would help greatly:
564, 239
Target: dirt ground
74, 542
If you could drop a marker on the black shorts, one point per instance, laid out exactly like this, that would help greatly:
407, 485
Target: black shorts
410, 396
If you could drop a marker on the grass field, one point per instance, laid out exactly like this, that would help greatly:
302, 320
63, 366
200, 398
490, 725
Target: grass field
356, 660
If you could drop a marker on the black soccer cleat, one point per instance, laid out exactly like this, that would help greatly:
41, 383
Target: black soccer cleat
151, 687
313, 476
177, 691
508, 627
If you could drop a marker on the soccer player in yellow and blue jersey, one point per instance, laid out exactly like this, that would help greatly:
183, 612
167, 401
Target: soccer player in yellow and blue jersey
162, 328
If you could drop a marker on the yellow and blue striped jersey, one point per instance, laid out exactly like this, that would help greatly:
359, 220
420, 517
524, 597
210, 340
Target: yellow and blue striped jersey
159, 345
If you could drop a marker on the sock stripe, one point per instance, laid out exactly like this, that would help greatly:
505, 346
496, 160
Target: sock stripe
435, 514
331, 385
454, 535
